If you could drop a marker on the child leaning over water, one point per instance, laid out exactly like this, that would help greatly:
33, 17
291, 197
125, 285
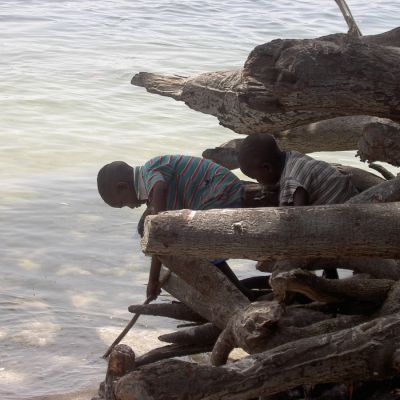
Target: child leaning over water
172, 182
302, 180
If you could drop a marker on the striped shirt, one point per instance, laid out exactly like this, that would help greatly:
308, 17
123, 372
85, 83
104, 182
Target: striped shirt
323, 183
193, 183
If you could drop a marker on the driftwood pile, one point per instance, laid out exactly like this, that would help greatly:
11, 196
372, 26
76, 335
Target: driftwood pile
308, 335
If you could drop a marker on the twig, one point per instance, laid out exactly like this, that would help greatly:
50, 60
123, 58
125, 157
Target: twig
351, 23
135, 318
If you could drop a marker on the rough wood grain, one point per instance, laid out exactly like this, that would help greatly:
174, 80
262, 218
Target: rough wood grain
336, 134
385, 192
288, 83
345, 230
380, 141
202, 287
365, 352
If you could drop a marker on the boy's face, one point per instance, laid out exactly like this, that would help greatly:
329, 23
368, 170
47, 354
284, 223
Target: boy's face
260, 171
123, 195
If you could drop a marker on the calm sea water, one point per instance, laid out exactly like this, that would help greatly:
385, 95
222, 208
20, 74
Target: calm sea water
70, 264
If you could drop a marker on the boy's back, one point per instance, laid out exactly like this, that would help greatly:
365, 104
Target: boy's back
193, 183
323, 183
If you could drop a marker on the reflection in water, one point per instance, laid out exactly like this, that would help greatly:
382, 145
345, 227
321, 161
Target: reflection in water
71, 265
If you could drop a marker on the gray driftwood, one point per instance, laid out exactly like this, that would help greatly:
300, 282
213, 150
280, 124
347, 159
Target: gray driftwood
336, 134
203, 288
346, 230
288, 83
365, 352
385, 192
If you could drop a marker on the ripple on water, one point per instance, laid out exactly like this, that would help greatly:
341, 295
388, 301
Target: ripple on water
71, 265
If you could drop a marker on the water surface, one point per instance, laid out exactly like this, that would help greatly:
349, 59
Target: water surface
70, 264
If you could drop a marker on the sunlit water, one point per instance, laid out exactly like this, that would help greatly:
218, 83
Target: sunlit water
70, 264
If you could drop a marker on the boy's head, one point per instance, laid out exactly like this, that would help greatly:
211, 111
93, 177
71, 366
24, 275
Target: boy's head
261, 158
115, 185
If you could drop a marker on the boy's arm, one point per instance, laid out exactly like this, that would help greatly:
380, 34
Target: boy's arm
300, 197
152, 287
157, 203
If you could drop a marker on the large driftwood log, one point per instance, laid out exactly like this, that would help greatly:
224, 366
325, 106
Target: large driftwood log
366, 352
345, 230
288, 83
336, 134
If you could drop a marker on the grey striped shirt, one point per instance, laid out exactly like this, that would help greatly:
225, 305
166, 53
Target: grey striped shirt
323, 183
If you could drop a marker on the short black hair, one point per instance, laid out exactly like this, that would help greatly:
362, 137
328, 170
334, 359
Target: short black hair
262, 146
109, 175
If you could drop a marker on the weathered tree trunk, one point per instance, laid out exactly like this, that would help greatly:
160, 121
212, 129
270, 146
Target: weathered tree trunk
385, 192
336, 134
365, 352
288, 83
345, 230
202, 287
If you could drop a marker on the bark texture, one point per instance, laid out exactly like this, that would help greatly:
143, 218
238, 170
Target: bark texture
380, 142
336, 134
365, 352
344, 230
289, 83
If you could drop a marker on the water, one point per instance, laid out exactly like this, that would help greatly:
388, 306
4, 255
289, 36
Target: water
70, 264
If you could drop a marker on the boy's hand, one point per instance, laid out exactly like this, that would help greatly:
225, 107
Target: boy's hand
153, 290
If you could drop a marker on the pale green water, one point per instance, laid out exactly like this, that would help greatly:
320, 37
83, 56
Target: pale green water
69, 263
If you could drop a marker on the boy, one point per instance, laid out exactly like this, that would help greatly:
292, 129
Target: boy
302, 180
172, 182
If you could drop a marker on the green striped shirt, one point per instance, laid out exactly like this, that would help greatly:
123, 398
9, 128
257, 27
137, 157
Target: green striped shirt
193, 183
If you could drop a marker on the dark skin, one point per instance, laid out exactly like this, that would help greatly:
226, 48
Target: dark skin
123, 195
268, 174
